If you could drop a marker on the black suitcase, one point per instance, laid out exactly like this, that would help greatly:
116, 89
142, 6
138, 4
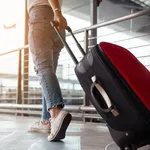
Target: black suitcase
118, 86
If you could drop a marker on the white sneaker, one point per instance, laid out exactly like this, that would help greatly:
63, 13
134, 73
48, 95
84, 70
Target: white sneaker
40, 127
59, 126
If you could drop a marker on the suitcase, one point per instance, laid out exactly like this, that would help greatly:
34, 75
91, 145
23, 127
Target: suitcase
118, 86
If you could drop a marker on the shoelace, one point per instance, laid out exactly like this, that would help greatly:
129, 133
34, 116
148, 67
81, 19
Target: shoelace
37, 123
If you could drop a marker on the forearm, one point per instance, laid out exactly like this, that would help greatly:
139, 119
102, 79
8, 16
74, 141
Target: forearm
55, 6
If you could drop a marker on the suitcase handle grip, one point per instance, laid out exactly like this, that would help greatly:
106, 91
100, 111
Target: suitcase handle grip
54, 25
110, 107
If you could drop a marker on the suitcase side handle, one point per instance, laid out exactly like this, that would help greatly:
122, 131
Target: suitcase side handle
54, 25
105, 97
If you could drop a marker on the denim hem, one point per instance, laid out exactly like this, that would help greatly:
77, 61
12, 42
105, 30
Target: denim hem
49, 105
45, 115
45, 119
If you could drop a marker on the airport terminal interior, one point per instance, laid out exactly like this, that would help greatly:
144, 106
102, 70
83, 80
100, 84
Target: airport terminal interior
122, 22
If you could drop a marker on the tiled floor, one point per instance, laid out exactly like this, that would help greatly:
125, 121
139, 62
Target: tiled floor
14, 136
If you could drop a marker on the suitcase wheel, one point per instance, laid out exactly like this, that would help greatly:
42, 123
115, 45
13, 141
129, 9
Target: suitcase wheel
130, 147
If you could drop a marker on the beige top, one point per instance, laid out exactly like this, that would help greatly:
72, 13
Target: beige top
32, 3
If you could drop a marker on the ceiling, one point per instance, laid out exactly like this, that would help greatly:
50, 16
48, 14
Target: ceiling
143, 3
108, 10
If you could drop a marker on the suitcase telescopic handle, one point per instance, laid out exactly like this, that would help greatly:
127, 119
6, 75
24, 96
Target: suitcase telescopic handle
110, 107
54, 25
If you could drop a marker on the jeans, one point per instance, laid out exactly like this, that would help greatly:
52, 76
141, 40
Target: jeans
45, 47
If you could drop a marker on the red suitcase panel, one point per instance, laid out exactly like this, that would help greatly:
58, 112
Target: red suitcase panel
134, 72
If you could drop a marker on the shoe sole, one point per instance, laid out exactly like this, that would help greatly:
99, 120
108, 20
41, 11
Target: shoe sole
39, 131
62, 128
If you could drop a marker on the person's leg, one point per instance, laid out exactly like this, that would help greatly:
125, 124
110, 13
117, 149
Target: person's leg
60, 118
41, 125
41, 40
57, 47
